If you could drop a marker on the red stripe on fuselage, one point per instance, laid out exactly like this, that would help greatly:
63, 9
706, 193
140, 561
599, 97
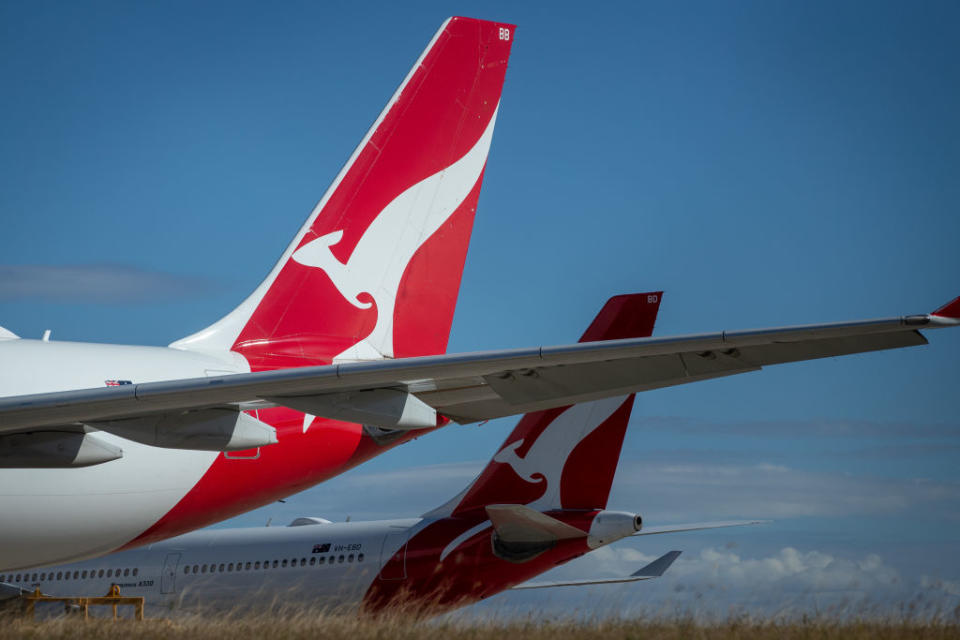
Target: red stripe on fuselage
469, 573
233, 485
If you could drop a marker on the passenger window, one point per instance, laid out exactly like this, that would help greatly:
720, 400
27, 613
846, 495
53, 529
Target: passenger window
18, 577
303, 562
126, 572
109, 573
284, 563
248, 566
84, 574
196, 568
230, 567
136, 571
221, 568
34, 578
359, 557
203, 568
350, 558
76, 574
256, 565
100, 573
322, 559
276, 563
340, 559
186, 570
43, 577
313, 561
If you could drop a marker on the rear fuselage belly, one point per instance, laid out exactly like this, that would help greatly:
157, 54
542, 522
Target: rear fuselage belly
51, 515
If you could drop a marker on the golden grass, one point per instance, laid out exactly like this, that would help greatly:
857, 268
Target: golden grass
313, 626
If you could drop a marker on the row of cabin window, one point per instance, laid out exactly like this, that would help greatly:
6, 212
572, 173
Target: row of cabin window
277, 564
66, 575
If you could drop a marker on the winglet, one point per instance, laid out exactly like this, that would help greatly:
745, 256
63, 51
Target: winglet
951, 310
657, 568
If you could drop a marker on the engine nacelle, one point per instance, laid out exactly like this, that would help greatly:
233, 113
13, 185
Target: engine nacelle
610, 526
55, 450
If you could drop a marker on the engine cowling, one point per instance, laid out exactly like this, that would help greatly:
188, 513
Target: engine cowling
610, 526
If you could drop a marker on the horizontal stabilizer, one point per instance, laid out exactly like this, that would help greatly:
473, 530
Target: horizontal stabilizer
656, 568
697, 526
653, 570
516, 523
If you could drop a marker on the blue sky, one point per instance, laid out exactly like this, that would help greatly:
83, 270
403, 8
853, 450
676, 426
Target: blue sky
764, 163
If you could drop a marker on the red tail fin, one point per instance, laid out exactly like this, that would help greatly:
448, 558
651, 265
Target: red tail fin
375, 270
565, 458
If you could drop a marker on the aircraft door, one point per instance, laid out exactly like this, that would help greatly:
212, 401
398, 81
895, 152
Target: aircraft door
393, 554
168, 576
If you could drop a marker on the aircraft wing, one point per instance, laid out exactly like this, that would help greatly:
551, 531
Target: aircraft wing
653, 570
471, 387
696, 526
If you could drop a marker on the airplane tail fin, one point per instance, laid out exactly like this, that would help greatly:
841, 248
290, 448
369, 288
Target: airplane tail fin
375, 270
565, 458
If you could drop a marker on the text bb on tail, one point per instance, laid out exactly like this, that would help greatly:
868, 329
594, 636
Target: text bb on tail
539, 502
375, 270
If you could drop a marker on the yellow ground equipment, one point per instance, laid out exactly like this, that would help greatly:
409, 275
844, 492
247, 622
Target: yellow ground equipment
81, 604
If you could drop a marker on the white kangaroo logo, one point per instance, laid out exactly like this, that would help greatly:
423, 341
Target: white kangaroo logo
378, 261
549, 452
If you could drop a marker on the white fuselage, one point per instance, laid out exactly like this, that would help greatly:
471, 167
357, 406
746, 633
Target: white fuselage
327, 564
52, 515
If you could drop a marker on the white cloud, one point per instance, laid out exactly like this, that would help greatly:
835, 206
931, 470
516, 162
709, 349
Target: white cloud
715, 583
678, 492
96, 283
664, 493
785, 428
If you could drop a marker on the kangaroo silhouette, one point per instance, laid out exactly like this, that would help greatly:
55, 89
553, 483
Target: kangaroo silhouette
377, 263
545, 459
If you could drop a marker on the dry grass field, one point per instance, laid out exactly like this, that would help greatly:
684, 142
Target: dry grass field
319, 626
